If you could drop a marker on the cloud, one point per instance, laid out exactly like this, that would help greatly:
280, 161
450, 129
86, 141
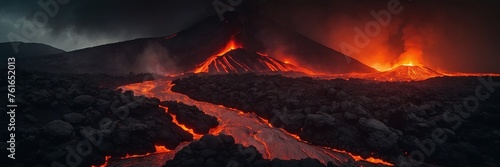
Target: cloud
81, 24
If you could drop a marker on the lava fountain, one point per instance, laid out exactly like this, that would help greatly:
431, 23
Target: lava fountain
249, 129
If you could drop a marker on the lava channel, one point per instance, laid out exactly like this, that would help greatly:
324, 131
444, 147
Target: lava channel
249, 129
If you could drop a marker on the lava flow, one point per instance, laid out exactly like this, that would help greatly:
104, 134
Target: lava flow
249, 129
174, 120
235, 59
159, 150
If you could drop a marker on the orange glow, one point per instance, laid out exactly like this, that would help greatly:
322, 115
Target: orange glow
106, 160
369, 159
146, 88
409, 64
228, 64
285, 58
161, 149
355, 157
134, 156
231, 45
411, 57
184, 127
408, 60
381, 67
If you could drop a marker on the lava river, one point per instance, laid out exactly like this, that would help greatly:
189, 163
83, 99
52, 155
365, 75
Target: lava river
247, 129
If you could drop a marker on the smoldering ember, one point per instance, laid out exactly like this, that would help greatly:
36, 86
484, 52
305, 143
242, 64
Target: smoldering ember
236, 83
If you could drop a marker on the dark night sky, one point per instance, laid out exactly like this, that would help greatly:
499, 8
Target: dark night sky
453, 35
84, 23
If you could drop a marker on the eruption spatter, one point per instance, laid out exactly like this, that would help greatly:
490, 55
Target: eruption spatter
235, 59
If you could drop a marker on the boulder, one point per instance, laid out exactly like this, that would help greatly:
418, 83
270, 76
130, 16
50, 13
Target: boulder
74, 118
59, 130
122, 135
41, 97
208, 153
380, 137
83, 101
321, 120
291, 122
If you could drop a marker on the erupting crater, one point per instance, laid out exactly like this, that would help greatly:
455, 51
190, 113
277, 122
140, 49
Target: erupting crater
235, 59
405, 72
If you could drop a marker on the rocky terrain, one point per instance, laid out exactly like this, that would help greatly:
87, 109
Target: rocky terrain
191, 116
71, 120
216, 151
423, 120
78, 120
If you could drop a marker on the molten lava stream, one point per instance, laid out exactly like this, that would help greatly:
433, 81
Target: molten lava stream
174, 120
249, 129
159, 150
329, 150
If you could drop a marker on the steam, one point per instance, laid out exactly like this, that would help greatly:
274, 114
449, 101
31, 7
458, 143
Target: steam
155, 59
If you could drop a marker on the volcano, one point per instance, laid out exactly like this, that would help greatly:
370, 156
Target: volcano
405, 73
241, 60
185, 50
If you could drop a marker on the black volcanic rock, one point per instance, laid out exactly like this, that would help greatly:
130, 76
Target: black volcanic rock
380, 137
224, 152
74, 118
83, 101
364, 117
59, 130
191, 116
65, 113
